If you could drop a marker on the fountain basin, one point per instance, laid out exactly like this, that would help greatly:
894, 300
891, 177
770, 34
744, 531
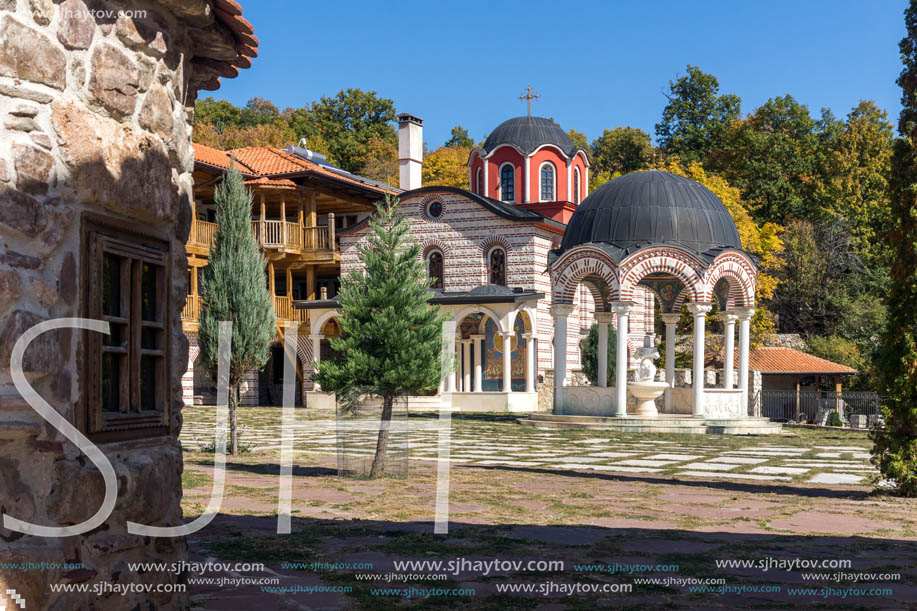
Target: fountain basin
646, 394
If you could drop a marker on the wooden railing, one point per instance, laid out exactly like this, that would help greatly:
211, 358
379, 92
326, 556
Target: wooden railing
203, 233
284, 310
192, 309
316, 238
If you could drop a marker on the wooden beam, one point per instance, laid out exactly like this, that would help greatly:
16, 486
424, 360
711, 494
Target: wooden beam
270, 279
290, 283
310, 282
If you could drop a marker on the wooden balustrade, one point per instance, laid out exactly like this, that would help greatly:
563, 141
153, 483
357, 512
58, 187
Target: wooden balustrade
284, 310
316, 238
203, 233
192, 309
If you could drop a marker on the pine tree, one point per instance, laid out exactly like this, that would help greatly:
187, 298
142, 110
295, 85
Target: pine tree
390, 338
233, 289
895, 449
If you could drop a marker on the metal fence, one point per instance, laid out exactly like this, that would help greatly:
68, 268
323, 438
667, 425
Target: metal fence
805, 406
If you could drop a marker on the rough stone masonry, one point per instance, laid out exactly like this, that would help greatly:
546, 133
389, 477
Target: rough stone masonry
96, 101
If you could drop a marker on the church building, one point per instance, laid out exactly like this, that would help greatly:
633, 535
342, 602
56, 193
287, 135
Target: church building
487, 249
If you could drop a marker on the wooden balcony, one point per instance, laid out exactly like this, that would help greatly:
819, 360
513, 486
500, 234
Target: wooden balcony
284, 310
192, 309
203, 235
286, 236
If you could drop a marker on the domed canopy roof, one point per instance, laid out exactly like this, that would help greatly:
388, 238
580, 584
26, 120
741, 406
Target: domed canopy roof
653, 207
528, 133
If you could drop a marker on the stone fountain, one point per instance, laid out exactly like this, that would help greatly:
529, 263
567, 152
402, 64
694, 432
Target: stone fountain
646, 389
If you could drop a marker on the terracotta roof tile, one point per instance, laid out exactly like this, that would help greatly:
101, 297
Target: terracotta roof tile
267, 161
264, 181
777, 359
218, 158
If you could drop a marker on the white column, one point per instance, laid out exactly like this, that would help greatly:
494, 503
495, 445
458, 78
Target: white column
745, 315
699, 310
560, 311
484, 167
670, 320
528, 179
507, 361
586, 183
729, 334
529, 362
478, 344
622, 309
316, 354
466, 365
603, 319
457, 376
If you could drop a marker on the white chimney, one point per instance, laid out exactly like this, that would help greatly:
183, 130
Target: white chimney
410, 151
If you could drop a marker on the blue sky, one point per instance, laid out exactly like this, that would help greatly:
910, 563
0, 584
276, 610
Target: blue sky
597, 65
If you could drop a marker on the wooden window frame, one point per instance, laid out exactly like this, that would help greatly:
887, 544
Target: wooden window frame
439, 278
508, 182
101, 236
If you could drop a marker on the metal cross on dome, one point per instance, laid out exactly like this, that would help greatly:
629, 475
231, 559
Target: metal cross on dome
528, 96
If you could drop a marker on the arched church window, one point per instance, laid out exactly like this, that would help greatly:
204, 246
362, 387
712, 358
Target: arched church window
576, 185
547, 182
497, 266
436, 269
479, 177
507, 183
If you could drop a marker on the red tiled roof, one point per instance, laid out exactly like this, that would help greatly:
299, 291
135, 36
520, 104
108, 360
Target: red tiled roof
264, 181
266, 161
776, 359
218, 158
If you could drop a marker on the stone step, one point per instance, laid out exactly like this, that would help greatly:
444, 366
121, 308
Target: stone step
688, 425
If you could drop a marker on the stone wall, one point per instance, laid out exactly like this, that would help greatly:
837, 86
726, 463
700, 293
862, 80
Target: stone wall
96, 113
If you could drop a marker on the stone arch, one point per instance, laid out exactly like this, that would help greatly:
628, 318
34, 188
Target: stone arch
738, 273
662, 261
478, 309
431, 244
319, 322
494, 241
585, 263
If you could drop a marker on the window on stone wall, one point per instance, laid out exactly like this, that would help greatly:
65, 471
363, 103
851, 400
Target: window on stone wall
497, 266
507, 183
547, 182
127, 370
436, 269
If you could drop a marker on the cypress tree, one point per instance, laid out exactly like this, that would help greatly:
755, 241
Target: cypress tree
233, 288
589, 354
895, 449
390, 339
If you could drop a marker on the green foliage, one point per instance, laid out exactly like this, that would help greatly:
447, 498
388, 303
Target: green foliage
589, 354
696, 117
622, 150
349, 120
446, 166
837, 349
895, 449
460, 138
834, 419
233, 289
774, 157
391, 338
342, 127
578, 139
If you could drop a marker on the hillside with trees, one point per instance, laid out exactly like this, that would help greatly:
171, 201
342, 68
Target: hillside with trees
809, 191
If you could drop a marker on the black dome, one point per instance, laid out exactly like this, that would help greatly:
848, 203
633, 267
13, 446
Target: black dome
528, 133
652, 207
